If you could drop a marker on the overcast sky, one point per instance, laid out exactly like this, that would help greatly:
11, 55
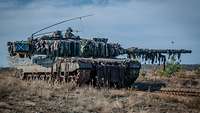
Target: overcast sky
138, 23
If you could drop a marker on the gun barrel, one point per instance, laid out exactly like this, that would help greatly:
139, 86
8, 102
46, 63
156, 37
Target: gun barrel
155, 55
164, 51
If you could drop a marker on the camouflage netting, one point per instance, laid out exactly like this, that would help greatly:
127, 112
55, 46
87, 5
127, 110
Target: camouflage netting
155, 55
69, 45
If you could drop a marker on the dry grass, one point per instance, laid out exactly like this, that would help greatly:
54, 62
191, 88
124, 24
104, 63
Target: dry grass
39, 96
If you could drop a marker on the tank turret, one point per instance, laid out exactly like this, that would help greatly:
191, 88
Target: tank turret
55, 45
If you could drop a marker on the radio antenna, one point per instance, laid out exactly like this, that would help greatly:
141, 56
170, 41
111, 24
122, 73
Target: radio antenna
75, 18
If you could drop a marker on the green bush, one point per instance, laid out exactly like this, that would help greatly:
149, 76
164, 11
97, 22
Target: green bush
172, 67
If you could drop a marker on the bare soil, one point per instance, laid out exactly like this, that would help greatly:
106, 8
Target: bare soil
17, 96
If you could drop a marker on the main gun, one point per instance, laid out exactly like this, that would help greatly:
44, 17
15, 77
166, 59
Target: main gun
155, 55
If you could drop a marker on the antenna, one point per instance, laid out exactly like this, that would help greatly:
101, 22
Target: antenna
60, 23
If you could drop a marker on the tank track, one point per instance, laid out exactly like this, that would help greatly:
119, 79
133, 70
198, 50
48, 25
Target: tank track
180, 92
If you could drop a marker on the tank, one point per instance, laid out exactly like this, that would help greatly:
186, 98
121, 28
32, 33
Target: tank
59, 56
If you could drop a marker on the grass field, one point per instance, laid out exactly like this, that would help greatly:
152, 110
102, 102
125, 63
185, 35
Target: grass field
17, 96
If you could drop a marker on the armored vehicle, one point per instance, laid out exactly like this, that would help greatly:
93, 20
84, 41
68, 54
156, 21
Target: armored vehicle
67, 57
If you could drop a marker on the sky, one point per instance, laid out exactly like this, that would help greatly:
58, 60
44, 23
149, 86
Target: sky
132, 23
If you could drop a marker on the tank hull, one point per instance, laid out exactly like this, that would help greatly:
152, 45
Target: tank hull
98, 72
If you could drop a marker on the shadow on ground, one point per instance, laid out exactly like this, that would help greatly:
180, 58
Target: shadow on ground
148, 86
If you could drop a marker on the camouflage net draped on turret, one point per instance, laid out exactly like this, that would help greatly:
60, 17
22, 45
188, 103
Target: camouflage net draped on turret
69, 45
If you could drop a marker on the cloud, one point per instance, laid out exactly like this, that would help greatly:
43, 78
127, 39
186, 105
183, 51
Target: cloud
140, 23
